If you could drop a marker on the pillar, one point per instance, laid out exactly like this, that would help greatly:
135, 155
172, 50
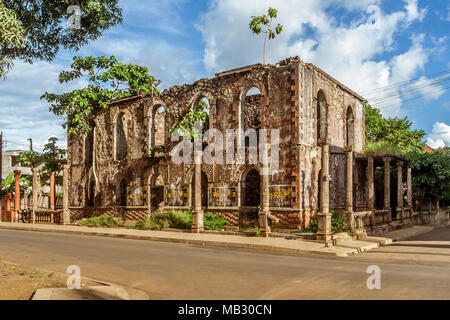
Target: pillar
16, 196
387, 185
324, 228
35, 194
409, 184
349, 186
8, 206
400, 188
197, 215
52, 196
370, 184
263, 215
66, 213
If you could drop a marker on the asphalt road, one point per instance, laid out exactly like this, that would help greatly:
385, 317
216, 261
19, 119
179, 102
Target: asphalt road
418, 268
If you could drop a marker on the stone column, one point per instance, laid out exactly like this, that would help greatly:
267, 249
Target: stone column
265, 192
52, 196
409, 184
197, 215
324, 228
8, 206
35, 194
349, 186
370, 184
387, 185
400, 188
66, 212
17, 195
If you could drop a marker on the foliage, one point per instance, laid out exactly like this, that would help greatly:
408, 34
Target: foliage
102, 222
431, 175
40, 27
214, 221
53, 158
11, 35
194, 115
179, 220
337, 224
263, 24
107, 79
256, 230
387, 132
382, 147
9, 184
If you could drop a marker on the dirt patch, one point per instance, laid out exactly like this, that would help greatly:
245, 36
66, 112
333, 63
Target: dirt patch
21, 282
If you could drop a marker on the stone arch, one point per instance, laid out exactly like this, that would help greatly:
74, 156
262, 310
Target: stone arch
120, 134
157, 125
251, 187
246, 120
350, 127
156, 184
321, 115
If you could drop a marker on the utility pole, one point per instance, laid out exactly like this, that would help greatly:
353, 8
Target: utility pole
31, 144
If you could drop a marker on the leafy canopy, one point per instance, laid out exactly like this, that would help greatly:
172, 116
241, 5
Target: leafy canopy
431, 175
263, 24
391, 131
42, 26
198, 114
107, 79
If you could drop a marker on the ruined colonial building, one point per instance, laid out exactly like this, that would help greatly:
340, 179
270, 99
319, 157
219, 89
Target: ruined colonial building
120, 169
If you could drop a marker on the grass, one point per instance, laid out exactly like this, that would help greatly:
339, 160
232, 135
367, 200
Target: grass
383, 147
337, 225
256, 230
102, 222
179, 220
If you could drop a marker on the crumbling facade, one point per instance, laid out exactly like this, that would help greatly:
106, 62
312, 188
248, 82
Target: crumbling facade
119, 169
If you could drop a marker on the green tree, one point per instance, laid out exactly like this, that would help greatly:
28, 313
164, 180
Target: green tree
431, 175
198, 114
12, 35
9, 185
263, 24
392, 133
107, 79
40, 27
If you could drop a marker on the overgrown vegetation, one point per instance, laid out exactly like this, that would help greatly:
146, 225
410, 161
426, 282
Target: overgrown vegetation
338, 225
256, 230
179, 220
107, 79
102, 222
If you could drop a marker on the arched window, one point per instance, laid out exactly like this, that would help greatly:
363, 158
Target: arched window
157, 193
322, 116
122, 198
157, 125
121, 138
250, 110
350, 138
89, 146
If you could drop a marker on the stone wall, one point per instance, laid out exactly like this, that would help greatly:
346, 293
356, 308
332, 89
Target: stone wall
124, 135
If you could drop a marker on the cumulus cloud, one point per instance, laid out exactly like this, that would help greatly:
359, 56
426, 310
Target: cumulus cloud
22, 113
440, 136
348, 51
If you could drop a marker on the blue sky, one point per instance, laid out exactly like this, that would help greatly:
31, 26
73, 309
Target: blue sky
366, 44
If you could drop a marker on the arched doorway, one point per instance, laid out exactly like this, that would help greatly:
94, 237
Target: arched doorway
252, 189
204, 189
157, 193
90, 195
123, 193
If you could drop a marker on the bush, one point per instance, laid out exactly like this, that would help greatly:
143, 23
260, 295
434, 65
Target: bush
214, 221
102, 221
179, 220
337, 224
256, 230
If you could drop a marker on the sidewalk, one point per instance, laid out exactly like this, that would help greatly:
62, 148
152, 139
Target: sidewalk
280, 245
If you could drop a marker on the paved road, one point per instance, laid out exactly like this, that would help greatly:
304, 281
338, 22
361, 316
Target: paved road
415, 269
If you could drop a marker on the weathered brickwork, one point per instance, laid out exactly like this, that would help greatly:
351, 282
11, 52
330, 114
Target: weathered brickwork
117, 164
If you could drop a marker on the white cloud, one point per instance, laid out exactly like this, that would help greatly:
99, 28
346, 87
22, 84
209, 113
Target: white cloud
440, 136
22, 113
350, 52
429, 89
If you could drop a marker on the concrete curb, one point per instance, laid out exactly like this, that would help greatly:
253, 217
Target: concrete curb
341, 252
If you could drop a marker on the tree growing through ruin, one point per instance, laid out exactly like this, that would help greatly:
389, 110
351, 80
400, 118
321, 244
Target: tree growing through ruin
107, 78
263, 24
